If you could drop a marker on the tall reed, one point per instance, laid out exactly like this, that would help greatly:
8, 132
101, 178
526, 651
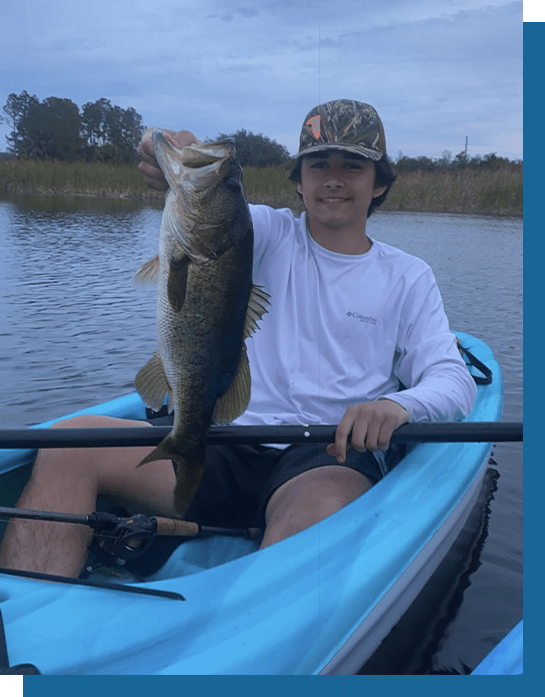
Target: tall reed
72, 178
483, 191
487, 190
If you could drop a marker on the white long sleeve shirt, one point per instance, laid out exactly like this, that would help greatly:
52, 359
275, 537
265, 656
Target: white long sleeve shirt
344, 329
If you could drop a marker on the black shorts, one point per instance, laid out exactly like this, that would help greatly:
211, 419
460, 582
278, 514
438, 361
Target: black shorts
239, 480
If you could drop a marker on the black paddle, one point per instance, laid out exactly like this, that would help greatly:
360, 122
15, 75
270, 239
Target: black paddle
451, 432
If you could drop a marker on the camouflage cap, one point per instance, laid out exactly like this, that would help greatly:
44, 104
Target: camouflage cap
343, 125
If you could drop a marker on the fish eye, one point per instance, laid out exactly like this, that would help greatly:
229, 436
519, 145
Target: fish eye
232, 184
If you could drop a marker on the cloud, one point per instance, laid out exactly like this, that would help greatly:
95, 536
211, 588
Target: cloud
434, 68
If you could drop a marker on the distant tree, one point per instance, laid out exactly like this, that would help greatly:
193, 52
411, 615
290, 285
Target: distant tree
257, 150
55, 129
110, 132
51, 130
445, 159
16, 108
494, 162
410, 164
93, 123
461, 160
124, 130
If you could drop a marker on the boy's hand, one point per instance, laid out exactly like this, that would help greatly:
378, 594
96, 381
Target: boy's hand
371, 425
149, 167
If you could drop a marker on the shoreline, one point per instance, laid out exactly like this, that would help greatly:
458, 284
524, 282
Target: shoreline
156, 200
493, 192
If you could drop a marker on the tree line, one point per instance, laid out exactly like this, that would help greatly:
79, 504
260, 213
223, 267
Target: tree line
56, 129
256, 150
462, 160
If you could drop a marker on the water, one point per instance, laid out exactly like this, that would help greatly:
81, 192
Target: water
74, 330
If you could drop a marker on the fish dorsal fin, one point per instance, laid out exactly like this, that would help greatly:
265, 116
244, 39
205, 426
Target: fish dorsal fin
152, 385
148, 272
257, 307
234, 402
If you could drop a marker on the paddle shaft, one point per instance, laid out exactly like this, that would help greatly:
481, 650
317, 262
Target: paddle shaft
452, 432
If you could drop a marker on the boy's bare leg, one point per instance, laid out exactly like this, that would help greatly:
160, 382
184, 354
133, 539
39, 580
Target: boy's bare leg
68, 480
309, 498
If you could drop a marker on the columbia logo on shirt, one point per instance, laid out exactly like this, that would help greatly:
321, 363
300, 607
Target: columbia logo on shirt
362, 318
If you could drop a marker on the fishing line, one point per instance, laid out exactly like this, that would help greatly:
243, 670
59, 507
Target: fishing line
319, 50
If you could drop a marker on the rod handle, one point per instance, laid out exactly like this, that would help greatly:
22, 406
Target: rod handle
173, 526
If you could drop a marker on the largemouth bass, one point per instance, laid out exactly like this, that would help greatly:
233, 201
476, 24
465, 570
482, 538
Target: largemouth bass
207, 304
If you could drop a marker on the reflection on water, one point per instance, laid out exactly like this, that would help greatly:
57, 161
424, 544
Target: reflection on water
74, 331
74, 328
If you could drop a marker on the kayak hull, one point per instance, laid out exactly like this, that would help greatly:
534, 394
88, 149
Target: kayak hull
319, 602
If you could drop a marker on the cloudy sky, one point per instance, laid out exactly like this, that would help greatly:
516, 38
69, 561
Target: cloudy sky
436, 70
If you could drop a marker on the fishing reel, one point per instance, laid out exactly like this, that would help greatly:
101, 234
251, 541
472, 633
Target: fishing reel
118, 539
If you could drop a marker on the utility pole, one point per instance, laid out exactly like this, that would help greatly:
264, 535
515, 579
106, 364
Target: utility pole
465, 151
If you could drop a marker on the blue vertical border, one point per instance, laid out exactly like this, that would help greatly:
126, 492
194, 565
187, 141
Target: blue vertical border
534, 297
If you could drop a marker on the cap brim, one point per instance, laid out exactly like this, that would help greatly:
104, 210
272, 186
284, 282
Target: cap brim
347, 147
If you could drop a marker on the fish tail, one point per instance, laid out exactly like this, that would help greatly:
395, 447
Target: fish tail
189, 469
188, 479
166, 450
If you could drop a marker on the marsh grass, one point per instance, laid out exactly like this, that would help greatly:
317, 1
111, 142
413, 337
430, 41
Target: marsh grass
481, 191
488, 191
72, 178
271, 186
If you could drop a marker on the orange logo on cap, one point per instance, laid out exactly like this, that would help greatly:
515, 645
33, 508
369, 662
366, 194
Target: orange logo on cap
314, 124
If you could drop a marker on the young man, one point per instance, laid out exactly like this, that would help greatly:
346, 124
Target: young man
355, 335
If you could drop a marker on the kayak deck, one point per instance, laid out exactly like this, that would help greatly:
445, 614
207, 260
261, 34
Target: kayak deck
318, 602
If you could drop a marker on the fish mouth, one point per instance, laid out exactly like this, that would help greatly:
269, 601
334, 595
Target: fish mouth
196, 155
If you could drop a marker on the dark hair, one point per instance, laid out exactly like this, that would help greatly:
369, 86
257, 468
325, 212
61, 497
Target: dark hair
384, 176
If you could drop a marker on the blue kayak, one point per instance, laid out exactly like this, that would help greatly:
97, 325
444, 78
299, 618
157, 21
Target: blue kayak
320, 602
506, 658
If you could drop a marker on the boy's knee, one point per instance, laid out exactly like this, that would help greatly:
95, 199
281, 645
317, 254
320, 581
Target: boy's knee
54, 464
309, 498
97, 421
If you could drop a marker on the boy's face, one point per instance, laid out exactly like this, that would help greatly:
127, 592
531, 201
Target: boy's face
337, 188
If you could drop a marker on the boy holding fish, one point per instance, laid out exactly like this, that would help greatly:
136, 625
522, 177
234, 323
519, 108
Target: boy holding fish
355, 334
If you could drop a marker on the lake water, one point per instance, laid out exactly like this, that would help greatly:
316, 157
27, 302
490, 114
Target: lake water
74, 331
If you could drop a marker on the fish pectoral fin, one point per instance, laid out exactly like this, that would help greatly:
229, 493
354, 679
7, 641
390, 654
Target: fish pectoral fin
177, 282
257, 307
151, 383
148, 272
234, 402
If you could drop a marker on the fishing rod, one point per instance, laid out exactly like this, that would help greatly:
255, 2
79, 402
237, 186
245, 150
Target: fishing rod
121, 539
449, 432
128, 537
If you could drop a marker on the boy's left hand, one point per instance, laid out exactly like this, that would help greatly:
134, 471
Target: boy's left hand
371, 425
